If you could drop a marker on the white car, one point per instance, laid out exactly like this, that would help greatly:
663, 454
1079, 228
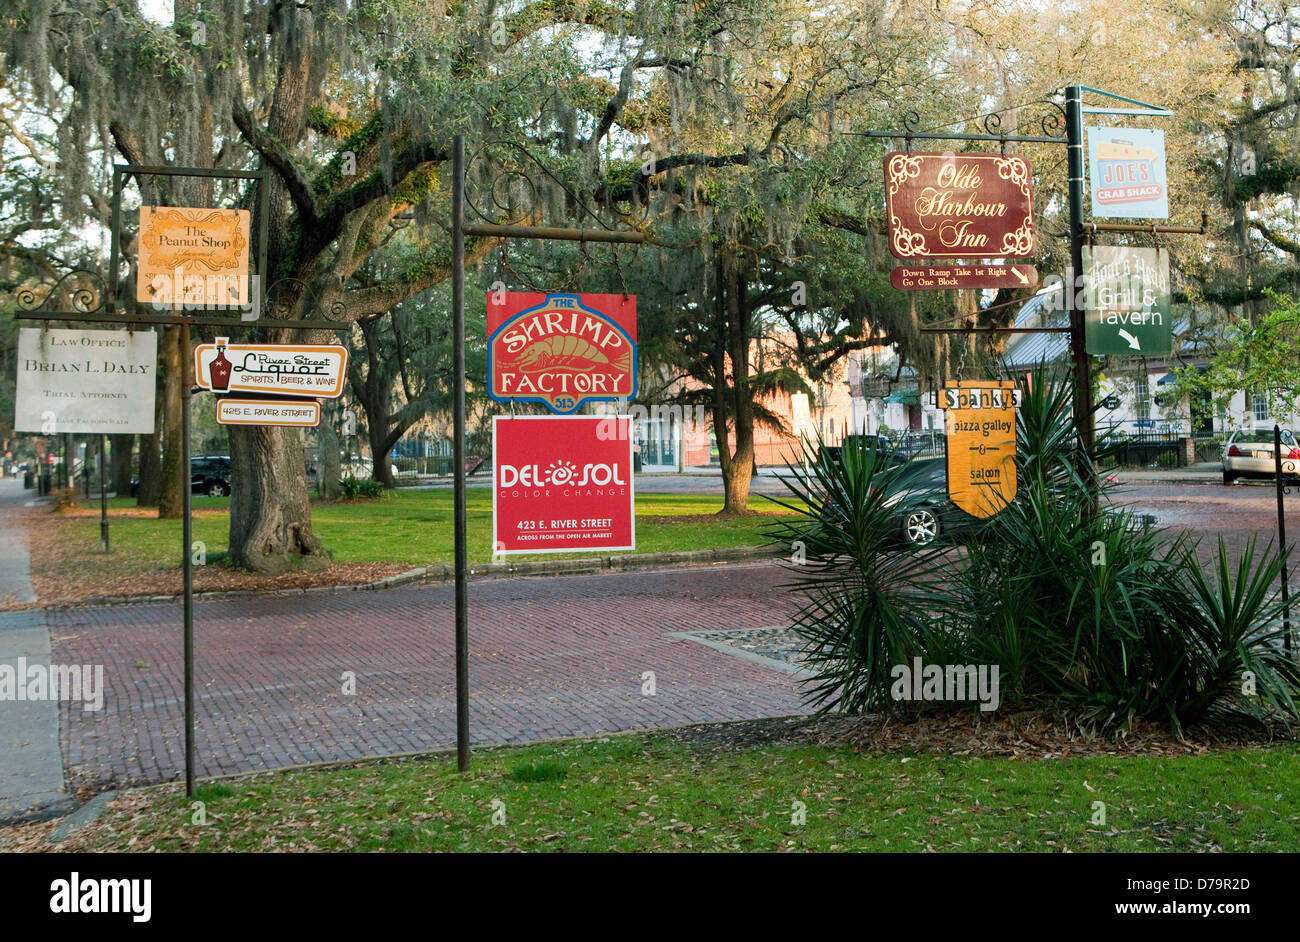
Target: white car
1250, 454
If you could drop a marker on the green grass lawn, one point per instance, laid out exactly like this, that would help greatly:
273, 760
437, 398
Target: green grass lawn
412, 527
647, 793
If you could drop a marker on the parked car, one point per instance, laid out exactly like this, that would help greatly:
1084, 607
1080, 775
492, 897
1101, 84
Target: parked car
210, 475
1249, 453
918, 492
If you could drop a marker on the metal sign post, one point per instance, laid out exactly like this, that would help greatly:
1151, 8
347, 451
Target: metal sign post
99, 305
459, 229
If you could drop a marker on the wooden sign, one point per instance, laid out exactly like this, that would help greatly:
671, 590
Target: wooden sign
940, 277
959, 206
192, 257
273, 369
296, 413
981, 445
1128, 303
561, 349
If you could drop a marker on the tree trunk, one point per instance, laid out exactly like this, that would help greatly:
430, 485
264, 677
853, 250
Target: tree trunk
270, 516
174, 479
380, 448
120, 463
327, 458
738, 471
151, 456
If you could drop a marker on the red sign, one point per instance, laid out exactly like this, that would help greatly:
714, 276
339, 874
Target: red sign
561, 349
562, 484
938, 277
959, 206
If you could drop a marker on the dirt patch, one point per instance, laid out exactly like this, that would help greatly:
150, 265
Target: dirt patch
1025, 735
61, 574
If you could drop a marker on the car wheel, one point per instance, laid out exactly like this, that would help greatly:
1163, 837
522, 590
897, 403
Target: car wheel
216, 489
921, 527
1229, 477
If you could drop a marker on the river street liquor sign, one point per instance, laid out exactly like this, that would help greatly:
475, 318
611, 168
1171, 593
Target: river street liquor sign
561, 349
193, 257
1128, 301
981, 445
305, 372
959, 206
86, 381
562, 484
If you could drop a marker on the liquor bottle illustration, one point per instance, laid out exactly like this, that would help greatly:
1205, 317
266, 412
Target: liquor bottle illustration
219, 368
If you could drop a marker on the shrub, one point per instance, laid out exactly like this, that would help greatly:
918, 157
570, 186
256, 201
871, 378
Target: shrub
64, 500
1077, 602
353, 488
870, 601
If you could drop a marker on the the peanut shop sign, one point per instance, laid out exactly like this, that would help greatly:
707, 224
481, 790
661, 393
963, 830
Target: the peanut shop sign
561, 349
562, 484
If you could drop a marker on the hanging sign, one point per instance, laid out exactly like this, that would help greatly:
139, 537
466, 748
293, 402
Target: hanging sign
86, 381
296, 413
274, 369
1127, 301
562, 484
191, 257
981, 445
940, 277
1127, 170
561, 349
959, 206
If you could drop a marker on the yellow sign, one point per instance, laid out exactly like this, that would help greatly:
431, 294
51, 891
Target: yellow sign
981, 445
192, 258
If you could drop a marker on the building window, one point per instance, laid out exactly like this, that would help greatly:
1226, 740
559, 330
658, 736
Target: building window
1142, 398
1259, 406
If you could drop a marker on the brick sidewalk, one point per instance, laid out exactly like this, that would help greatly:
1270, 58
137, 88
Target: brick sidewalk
549, 657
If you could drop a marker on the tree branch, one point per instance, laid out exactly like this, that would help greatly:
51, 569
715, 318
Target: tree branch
274, 153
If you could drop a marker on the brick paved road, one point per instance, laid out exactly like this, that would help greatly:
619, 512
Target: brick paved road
549, 657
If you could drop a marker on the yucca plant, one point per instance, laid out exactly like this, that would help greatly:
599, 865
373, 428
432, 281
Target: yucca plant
1234, 625
869, 599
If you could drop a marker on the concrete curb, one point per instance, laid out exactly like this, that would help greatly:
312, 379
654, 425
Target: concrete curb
86, 814
442, 574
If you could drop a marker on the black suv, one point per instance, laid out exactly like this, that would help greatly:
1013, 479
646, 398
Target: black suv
210, 476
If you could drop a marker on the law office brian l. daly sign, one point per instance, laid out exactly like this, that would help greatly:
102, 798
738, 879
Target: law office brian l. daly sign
561, 349
316, 371
87, 382
959, 206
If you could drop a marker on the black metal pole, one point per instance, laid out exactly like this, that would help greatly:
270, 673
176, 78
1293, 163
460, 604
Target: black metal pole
187, 562
103, 498
458, 448
1082, 373
1281, 538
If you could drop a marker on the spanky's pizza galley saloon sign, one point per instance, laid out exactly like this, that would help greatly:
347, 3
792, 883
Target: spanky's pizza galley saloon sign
959, 206
561, 349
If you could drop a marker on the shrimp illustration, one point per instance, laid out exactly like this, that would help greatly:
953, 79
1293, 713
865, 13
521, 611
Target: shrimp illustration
565, 353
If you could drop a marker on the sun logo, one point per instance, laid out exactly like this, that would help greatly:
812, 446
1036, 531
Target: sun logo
561, 472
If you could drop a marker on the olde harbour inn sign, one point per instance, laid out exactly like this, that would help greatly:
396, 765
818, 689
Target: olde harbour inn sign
959, 206
561, 350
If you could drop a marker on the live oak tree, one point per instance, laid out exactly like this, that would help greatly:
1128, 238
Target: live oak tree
351, 107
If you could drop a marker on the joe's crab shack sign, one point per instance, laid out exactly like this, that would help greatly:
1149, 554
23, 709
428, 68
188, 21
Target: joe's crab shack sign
561, 349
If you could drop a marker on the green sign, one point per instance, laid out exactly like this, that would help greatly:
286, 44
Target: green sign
1127, 301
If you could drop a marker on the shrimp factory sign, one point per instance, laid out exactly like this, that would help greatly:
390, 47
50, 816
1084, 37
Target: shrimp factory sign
561, 349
